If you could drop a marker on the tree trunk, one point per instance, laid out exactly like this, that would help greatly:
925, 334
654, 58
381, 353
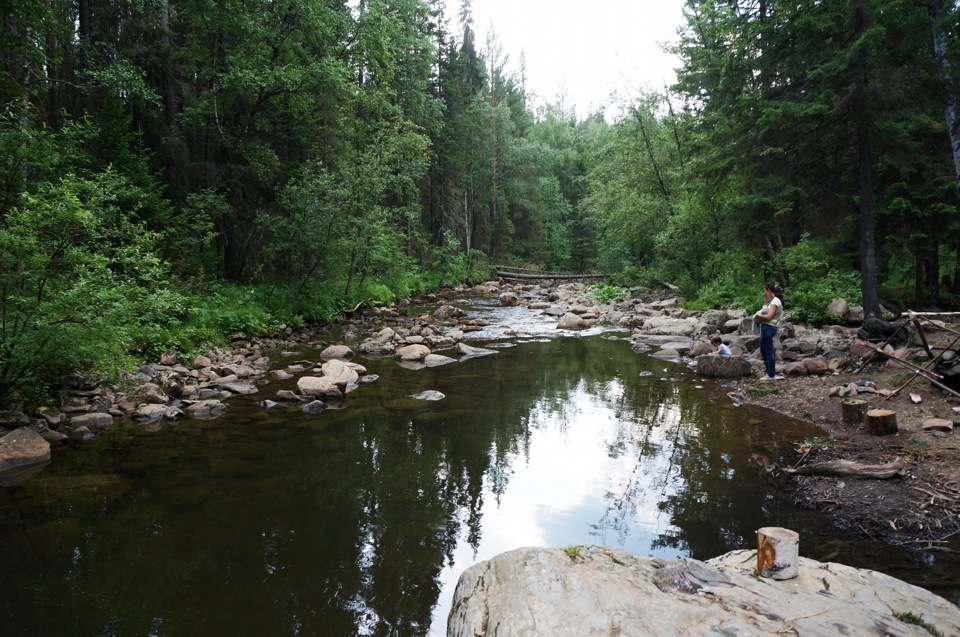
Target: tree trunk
778, 553
868, 256
942, 55
853, 410
881, 422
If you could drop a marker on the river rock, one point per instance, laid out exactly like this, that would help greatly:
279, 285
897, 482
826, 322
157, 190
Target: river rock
447, 312
50, 415
13, 419
381, 344
436, 360
79, 434
817, 366
341, 372
242, 387
715, 318
937, 424
718, 366
412, 353
699, 349
319, 387
148, 413
205, 409
430, 394
314, 407
438, 341
837, 307
593, 591
23, 447
509, 299
469, 352
337, 351
571, 321
669, 326
95, 421
201, 361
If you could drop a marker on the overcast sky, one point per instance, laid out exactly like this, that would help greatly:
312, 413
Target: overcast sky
590, 48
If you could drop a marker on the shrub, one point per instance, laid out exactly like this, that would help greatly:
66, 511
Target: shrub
81, 285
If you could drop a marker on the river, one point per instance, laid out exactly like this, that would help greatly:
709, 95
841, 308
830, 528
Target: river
359, 520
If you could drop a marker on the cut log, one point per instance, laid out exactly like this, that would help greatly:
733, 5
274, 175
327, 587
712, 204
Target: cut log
778, 552
848, 469
853, 410
881, 422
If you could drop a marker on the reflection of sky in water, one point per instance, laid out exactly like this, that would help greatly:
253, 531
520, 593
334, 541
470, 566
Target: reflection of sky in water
561, 491
521, 321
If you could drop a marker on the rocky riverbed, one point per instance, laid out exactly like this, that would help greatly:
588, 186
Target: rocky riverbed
919, 507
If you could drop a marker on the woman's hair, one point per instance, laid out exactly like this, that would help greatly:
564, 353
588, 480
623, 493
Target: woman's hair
773, 287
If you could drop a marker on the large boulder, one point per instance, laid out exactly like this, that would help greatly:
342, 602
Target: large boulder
319, 387
341, 371
23, 447
96, 421
571, 321
595, 591
837, 307
718, 366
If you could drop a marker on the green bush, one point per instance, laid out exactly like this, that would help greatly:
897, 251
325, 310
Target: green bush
808, 301
734, 278
82, 287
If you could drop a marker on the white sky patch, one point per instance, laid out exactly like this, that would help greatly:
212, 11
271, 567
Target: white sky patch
586, 51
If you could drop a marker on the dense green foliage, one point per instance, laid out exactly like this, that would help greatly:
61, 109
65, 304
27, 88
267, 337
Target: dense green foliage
172, 172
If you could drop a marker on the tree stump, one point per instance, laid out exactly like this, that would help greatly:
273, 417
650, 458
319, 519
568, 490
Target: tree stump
853, 410
778, 552
881, 422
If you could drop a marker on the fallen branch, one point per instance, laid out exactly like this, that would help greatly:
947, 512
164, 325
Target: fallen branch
849, 469
942, 496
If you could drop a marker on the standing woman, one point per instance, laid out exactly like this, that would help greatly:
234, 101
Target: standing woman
769, 317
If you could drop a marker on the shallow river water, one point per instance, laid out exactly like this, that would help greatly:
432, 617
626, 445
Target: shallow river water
358, 521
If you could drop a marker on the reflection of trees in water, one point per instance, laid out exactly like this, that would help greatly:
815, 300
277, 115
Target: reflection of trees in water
342, 524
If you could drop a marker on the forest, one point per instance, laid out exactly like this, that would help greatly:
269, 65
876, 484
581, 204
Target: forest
174, 171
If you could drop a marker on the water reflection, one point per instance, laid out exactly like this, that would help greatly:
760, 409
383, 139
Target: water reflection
360, 520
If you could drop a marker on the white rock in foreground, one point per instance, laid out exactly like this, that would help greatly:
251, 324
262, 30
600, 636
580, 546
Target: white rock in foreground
602, 591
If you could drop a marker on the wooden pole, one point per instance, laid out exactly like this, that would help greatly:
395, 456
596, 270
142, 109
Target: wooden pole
927, 367
876, 349
923, 339
927, 374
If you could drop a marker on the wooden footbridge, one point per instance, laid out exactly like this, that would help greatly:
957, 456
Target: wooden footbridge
506, 272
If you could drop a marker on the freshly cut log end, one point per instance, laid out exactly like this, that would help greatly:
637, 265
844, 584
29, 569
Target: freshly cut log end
778, 552
881, 422
853, 410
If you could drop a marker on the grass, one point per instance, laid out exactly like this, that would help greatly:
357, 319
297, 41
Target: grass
572, 551
918, 620
761, 389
